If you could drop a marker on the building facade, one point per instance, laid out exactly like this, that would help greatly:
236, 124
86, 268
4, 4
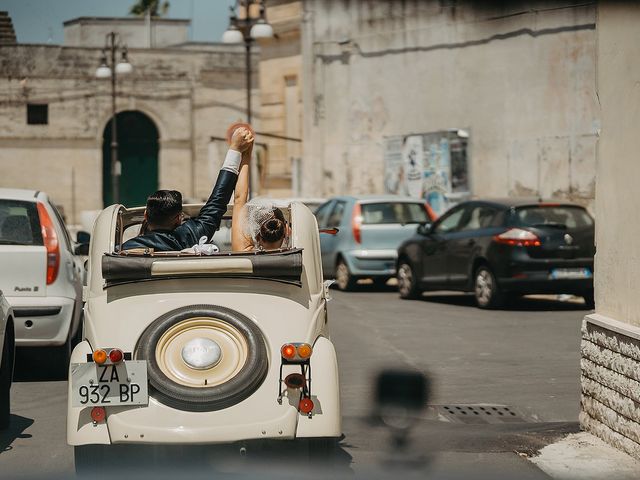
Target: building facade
173, 109
611, 336
281, 100
450, 99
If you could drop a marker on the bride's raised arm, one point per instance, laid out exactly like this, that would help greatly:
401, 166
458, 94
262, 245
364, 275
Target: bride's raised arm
239, 239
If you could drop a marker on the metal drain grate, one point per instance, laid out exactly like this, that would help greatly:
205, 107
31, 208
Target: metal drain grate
478, 414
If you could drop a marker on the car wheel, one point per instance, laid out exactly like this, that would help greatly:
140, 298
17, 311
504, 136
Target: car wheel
589, 300
234, 367
344, 280
6, 376
407, 282
486, 289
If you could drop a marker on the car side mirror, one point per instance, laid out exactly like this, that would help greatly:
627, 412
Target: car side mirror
83, 237
424, 228
82, 249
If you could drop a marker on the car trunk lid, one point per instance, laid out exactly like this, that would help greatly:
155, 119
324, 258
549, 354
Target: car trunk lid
385, 225
23, 255
24, 270
565, 232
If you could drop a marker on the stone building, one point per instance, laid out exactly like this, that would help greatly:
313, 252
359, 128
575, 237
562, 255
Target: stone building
55, 127
281, 99
611, 336
450, 99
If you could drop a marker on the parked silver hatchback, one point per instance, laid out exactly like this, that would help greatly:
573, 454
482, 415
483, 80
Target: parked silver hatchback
370, 230
41, 274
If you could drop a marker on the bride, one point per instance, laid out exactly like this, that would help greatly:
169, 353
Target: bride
257, 224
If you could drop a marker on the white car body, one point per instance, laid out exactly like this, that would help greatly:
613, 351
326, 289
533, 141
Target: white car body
46, 315
118, 314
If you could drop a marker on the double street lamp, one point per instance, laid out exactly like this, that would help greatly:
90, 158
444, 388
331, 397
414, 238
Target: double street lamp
110, 69
248, 22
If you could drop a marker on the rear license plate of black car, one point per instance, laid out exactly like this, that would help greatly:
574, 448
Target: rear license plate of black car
570, 273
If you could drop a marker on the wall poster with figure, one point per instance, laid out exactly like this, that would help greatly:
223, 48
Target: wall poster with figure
432, 166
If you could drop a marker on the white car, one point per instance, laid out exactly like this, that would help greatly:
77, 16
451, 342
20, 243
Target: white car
182, 349
7, 352
41, 276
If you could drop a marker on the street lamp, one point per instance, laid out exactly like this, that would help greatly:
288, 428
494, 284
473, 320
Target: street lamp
110, 69
247, 23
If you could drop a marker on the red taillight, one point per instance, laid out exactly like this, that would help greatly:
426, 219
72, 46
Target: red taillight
356, 222
288, 351
50, 240
116, 355
98, 414
305, 405
518, 237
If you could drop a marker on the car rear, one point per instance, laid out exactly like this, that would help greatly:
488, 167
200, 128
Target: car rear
32, 271
378, 228
231, 347
547, 248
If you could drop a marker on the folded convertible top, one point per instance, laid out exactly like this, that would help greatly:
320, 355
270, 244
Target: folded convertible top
283, 266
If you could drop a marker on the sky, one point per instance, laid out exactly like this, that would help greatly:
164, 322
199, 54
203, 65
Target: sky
40, 21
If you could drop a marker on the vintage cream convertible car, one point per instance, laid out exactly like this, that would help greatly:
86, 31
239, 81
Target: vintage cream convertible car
186, 349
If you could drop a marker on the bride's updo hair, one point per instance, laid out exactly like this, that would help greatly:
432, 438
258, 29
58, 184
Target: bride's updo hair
273, 229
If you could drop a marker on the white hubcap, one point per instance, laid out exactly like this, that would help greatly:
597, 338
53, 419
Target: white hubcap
201, 353
484, 287
405, 279
342, 275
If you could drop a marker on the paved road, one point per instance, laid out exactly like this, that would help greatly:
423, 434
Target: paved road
526, 358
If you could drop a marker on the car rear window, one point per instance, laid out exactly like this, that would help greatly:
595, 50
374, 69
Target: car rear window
393, 212
566, 217
19, 223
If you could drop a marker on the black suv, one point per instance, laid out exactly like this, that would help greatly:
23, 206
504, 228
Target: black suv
495, 248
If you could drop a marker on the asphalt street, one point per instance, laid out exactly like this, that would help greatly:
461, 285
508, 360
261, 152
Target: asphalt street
524, 359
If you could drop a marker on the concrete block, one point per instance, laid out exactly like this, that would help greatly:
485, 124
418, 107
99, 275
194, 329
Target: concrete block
612, 399
622, 344
610, 436
611, 360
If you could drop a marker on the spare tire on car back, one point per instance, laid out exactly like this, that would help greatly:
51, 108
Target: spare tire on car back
203, 357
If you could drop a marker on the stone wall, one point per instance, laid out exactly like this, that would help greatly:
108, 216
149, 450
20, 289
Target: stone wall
135, 32
280, 96
518, 76
611, 382
190, 94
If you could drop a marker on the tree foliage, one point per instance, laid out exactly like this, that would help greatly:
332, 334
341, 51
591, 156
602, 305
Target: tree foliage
155, 7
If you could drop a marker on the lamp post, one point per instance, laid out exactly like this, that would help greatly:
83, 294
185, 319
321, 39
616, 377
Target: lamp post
109, 69
248, 22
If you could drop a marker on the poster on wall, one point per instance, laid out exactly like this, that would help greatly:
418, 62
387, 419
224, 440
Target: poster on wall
413, 164
432, 166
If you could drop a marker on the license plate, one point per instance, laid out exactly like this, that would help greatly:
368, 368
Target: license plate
109, 385
570, 273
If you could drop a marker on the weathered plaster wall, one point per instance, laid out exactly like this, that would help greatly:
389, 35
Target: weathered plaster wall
617, 231
611, 336
521, 78
190, 95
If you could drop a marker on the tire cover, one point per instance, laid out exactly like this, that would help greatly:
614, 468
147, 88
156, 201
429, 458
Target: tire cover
229, 393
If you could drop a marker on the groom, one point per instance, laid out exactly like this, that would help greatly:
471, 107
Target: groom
165, 229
